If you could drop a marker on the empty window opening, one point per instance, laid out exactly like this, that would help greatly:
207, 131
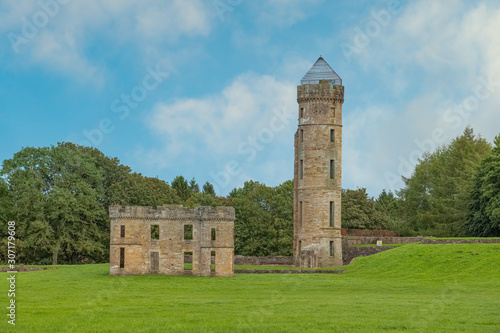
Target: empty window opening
122, 257
332, 213
155, 232
155, 261
188, 231
212, 260
188, 261
122, 231
301, 135
301, 171
332, 249
301, 112
213, 234
332, 135
332, 169
300, 214
300, 246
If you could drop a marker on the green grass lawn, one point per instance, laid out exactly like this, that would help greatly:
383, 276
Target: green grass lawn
274, 267
391, 245
413, 288
469, 238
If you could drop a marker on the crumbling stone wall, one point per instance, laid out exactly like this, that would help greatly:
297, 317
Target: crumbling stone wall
133, 249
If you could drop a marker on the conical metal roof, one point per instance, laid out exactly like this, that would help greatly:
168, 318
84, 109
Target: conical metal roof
321, 71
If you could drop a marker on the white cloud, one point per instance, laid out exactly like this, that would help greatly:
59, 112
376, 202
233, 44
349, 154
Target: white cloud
66, 37
250, 121
430, 56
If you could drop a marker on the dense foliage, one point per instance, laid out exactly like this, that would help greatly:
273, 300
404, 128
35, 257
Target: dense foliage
264, 219
59, 197
436, 197
358, 211
484, 213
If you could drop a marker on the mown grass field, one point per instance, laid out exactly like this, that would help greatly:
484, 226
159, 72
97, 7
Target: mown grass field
413, 288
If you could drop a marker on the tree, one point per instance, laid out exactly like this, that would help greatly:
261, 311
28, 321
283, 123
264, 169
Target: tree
193, 186
59, 197
484, 209
181, 185
435, 198
358, 211
208, 188
264, 219
138, 190
58, 194
389, 204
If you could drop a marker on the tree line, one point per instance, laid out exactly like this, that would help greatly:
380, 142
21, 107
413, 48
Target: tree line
59, 197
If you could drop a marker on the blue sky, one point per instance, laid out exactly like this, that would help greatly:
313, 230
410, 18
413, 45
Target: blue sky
207, 89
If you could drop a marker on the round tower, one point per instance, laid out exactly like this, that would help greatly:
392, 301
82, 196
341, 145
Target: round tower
318, 169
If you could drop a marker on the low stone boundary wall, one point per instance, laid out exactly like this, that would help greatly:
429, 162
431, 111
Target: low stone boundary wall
459, 241
25, 269
349, 253
369, 233
263, 261
285, 271
355, 240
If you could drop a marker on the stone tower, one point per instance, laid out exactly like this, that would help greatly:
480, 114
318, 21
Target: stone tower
318, 169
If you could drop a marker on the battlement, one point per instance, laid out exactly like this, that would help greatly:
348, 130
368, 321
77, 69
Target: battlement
172, 212
321, 91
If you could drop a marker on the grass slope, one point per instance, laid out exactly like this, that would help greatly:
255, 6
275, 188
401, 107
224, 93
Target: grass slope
417, 288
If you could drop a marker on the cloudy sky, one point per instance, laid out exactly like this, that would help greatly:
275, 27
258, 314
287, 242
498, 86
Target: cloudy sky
207, 88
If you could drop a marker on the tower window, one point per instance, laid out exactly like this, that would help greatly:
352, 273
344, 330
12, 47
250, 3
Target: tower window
301, 171
332, 213
300, 246
122, 257
332, 249
332, 169
300, 214
301, 112
301, 135
333, 112
332, 135
212, 234
122, 231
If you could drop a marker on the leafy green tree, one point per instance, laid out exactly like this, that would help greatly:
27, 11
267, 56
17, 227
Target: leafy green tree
389, 204
138, 190
435, 198
59, 197
58, 194
484, 215
264, 219
358, 211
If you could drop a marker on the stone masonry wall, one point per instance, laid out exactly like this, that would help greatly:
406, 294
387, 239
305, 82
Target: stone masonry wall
320, 112
145, 255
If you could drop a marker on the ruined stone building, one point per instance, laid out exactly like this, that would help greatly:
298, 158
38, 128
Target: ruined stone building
318, 169
145, 240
